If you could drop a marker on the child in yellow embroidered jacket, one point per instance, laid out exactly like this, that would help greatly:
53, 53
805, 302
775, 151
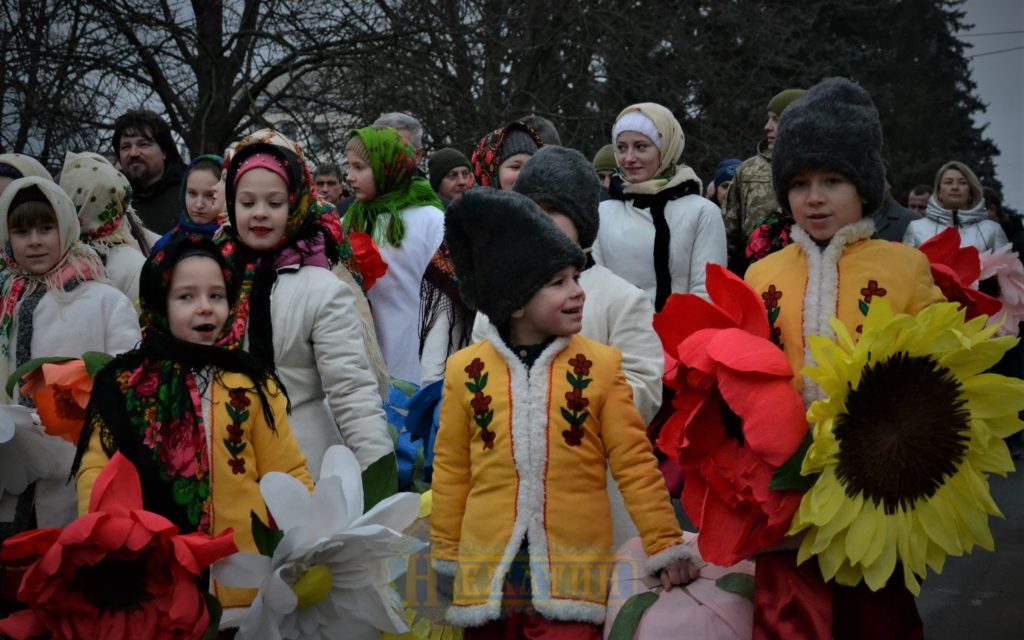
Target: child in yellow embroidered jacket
202, 423
827, 169
529, 417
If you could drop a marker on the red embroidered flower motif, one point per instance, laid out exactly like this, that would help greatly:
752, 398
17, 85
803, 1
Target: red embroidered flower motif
475, 368
872, 290
954, 269
116, 572
737, 417
575, 412
481, 404
771, 299
239, 412
580, 364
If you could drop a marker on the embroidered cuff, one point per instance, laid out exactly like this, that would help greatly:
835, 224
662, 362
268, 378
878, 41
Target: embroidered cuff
667, 556
445, 567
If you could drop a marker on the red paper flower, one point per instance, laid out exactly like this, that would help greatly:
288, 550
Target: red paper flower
737, 419
116, 572
954, 269
371, 264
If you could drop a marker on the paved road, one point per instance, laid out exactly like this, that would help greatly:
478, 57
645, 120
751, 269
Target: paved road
981, 596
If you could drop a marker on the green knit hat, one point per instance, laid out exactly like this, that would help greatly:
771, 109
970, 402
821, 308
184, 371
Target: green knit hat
604, 159
782, 99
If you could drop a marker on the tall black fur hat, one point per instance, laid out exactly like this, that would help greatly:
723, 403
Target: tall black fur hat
505, 248
566, 180
833, 126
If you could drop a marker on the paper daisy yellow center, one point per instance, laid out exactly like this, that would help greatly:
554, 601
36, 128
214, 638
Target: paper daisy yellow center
313, 586
904, 432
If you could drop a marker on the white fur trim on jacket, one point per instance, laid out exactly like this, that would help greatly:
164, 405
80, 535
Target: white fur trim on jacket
822, 295
445, 567
529, 437
667, 556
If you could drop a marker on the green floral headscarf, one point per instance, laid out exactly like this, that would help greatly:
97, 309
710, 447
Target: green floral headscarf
393, 162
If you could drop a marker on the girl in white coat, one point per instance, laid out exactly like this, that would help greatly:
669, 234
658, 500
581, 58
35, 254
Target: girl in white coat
295, 314
657, 231
55, 302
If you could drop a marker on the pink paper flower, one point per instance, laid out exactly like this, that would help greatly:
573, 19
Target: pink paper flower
1002, 276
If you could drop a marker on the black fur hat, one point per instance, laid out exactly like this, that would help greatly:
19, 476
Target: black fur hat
834, 126
505, 248
566, 180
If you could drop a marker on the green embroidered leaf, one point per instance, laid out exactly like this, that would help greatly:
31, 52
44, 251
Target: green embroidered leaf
266, 539
236, 414
234, 448
483, 381
183, 490
584, 383
581, 418
485, 421
787, 477
739, 583
571, 378
94, 361
473, 388
568, 416
216, 610
773, 314
28, 368
628, 619
863, 307
380, 480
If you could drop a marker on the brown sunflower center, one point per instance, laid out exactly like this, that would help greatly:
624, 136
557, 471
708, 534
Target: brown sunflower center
732, 423
904, 431
114, 584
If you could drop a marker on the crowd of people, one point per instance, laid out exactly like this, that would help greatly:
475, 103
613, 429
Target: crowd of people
260, 310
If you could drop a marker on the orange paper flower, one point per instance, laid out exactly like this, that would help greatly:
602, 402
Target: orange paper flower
61, 391
118, 572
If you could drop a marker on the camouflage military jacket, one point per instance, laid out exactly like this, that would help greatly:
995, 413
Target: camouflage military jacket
750, 199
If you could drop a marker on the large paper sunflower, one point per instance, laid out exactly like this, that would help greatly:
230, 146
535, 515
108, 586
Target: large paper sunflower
903, 444
737, 417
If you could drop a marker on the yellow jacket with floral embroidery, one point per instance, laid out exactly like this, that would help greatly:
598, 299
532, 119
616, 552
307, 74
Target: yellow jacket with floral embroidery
521, 454
234, 478
804, 286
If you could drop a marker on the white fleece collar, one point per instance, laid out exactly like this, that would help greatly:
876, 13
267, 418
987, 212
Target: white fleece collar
822, 295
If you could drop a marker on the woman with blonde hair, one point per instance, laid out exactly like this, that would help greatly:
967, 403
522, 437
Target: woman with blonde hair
957, 201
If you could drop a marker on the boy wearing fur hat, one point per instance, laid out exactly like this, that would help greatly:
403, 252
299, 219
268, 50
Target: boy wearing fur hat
828, 173
530, 420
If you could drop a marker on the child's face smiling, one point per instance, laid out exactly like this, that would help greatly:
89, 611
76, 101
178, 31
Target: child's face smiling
36, 249
823, 202
261, 209
204, 196
360, 178
197, 302
509, 170
555, 310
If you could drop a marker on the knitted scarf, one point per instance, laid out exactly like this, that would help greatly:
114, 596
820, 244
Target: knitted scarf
149, 399
313, 237
394, 164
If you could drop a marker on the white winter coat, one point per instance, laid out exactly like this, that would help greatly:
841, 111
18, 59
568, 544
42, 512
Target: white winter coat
976, 230
320, 358
625, 242
395, 298
123, 264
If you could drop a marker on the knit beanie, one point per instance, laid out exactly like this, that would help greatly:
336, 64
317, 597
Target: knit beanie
726, 171
604, 159
783, 99
517, 141
835, 127
504, 249
442, 161
564, 179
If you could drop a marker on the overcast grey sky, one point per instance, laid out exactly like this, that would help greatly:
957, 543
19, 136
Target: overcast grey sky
1000, 79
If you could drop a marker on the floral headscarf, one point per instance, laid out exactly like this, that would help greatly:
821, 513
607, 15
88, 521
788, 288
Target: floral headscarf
489, 154
670, 173
313, 236
77, 263
101, 194
393, 162
150, 399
